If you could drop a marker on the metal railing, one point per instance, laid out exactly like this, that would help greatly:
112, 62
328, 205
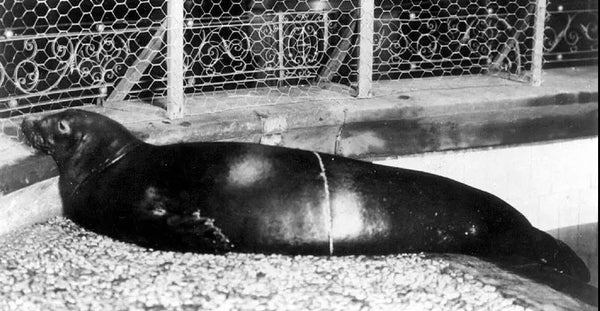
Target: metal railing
56, 54
435, 38
571, 33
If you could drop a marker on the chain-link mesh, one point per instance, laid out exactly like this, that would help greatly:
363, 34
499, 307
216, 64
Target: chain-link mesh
56, 54
64, 53
571, 33
237, 53
252, 53
453, 37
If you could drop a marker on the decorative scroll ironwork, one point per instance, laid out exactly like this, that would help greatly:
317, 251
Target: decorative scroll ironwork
52, 49
217, 44
44, 63
571, 33
441, 38
303, 43
56, 54
275, 46
42, 70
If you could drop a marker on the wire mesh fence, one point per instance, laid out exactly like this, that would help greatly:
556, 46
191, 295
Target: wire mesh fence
256, 53
443, 37
56, 54
201, 56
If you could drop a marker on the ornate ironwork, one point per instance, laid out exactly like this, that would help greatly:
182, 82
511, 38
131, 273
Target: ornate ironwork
571, 33
280, 45
52, 50
303, 41
46, 62
439, 38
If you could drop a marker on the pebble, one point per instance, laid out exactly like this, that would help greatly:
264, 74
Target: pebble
59, 265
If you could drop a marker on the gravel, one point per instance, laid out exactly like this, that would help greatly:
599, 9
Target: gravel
57, 265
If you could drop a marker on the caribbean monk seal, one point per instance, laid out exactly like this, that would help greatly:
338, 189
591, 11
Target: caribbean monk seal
223, 196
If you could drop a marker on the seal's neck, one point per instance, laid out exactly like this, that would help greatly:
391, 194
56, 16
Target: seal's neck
94, 154
116, 157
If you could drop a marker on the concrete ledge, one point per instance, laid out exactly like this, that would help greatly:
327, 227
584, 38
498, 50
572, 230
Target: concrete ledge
26, 171
32, 204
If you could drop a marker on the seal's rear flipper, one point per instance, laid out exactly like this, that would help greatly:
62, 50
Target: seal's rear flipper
550, 276
559, 255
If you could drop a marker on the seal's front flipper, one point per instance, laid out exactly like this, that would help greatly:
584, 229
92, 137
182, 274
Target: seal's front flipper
168, 219
199, 233
545, 274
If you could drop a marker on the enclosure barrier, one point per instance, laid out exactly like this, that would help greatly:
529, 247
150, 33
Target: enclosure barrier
571, 33
215, 56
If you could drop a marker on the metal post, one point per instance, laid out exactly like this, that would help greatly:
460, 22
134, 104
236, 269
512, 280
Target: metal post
175, 98
365, 57
280, 54
325, 30
538, 43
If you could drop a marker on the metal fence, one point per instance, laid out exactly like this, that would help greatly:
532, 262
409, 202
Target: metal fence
571, 33
433, 38
56, 54
217, 55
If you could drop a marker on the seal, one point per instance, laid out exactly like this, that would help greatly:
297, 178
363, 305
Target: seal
224, 196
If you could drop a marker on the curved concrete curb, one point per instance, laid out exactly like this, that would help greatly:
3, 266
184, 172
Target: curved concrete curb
29, 205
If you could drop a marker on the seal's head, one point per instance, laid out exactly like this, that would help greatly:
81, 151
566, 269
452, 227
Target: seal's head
76, 136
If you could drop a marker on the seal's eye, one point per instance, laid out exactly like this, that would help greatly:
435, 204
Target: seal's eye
63, 127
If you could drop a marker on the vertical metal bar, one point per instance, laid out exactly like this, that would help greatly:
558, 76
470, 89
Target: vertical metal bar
365, 58
175, 98
280, 50
538, 43
325, 44
325, 30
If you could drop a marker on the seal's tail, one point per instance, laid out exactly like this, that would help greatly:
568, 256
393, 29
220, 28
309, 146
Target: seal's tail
559, 255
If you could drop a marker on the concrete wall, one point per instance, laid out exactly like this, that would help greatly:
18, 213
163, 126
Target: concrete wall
555, 185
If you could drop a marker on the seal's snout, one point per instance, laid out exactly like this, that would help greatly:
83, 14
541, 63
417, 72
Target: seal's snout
28, 122
33, 136
27, 127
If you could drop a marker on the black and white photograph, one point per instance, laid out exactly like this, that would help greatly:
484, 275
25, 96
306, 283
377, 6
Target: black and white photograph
299, 155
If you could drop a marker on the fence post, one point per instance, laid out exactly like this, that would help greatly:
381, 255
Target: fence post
175, 98
538, 43
365, 57
280, 54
